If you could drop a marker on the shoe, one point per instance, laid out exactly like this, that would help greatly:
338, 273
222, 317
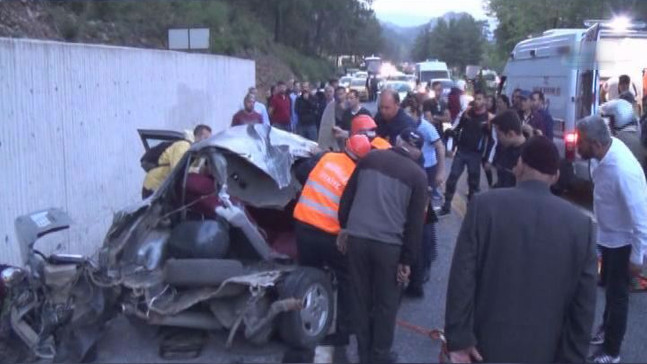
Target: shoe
444, 211
605, 358
598, 338
437, 195
414, 291
390, 358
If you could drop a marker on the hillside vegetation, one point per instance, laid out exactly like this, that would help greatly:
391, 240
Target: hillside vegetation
286, 38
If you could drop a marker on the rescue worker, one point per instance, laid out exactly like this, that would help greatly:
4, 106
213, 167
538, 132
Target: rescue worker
317, 224
171, 157
365, 125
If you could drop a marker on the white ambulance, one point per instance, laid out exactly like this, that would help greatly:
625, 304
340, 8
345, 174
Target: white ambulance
574, 68
432, 70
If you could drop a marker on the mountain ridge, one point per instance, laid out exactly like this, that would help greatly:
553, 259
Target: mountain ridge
400, 39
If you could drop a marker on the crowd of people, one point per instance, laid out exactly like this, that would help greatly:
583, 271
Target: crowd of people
295, 107
519, 289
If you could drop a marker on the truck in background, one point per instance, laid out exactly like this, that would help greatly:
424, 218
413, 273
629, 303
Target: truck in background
432, 70
373, 64
571, 67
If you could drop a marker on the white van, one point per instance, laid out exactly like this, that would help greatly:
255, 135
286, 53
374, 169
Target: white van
571, 68
432, 70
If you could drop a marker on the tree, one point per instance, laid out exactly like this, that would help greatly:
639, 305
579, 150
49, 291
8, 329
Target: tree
321, 28
458, 42
520, 19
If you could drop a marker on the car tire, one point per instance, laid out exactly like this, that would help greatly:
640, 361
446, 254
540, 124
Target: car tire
304, 329
201, 272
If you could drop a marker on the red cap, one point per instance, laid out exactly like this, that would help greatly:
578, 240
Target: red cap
358, 145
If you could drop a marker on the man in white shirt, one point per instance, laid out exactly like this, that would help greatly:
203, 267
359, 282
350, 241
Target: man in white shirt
620, 205
259, 107
294, 95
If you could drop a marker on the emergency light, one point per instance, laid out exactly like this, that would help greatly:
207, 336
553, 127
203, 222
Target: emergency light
618, 24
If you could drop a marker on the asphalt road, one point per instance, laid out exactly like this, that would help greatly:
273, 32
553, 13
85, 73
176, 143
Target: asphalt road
124, 343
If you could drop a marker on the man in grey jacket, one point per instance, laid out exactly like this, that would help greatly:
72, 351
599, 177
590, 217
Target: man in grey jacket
382, 211
522, 285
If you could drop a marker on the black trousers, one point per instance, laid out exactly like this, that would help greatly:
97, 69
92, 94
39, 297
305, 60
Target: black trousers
488, 174
317, 249
615, 274
428, 256
376, 295
473, 162
430, 241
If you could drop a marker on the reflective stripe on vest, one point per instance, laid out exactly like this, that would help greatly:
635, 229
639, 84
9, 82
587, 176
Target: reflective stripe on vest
323, 190
318, 205
380, 143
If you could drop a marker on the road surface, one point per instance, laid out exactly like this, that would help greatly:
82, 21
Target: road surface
126, 344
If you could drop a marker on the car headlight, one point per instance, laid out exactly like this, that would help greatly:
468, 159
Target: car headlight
11, 276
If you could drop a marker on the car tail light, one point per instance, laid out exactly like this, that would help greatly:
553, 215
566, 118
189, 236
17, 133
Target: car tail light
570, 140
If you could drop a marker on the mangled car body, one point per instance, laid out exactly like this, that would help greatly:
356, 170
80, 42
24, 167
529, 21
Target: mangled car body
213, 248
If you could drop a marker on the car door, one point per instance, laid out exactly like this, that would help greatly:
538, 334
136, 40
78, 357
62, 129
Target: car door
151, 137
588, 74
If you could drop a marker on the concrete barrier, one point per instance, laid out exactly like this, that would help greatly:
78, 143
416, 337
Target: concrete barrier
68, 117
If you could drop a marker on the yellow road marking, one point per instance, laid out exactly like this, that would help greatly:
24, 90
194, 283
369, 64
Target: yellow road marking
459, 205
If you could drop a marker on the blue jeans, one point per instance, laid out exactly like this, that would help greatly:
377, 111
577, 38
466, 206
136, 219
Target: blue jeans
473, 162
429, 242
308, 131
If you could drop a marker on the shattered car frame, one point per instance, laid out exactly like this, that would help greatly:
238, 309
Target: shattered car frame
252, 285
211, 249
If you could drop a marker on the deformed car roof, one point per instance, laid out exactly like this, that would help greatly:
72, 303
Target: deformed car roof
271, 151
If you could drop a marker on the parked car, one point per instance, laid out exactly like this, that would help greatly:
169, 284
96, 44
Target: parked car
401, 87
213, 249
345, 82
361, 74
491, 79
359, 84
447, 86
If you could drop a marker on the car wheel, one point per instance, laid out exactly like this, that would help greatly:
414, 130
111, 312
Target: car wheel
307, 327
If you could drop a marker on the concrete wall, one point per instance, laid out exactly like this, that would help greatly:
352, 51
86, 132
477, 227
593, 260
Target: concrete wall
68, 117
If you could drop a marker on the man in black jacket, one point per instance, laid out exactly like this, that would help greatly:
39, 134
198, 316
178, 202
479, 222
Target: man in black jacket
354, 108
307, 110
521, 290
381, 213
511, 141
471, 131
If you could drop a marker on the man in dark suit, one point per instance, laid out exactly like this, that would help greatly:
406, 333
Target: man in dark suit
522, 286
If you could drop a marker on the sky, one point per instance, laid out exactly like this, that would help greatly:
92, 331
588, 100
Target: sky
417, 12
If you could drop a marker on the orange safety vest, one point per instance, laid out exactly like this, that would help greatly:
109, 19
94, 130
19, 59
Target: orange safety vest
380, 143
318, 205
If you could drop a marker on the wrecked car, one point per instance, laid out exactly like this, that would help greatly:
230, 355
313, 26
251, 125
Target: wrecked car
213, 248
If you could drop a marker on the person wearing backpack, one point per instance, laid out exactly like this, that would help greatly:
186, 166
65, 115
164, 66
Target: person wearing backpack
159, 161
